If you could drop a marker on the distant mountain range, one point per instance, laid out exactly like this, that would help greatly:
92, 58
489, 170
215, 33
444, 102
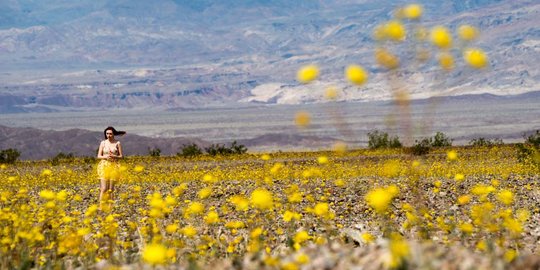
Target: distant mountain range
41, 144
62, 55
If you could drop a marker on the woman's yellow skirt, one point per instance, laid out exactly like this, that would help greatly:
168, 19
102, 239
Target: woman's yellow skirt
108, 170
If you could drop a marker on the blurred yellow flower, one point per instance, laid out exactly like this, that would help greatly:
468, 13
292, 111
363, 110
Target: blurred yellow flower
302, 258
386, 58
476, 58
256, 233
205, 193
139, 168
154, 254
208, 178
302, 119
505, 196
47, 194
321, 209
240, 202
211, 218
189, 231
380, 198
446, 61
307, 73
464, 199
510, 255
331, 93
356, 74
466, 228
459, 177
300, 237
452, 155
441, 37
46, 172
339, 147
399, 251
171, 228
195, 208
467, 32
368, 237
322, 159
395, 30
412, 11
262, 199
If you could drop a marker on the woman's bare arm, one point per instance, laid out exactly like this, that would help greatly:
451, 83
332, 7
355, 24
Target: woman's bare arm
100, 152
120, 153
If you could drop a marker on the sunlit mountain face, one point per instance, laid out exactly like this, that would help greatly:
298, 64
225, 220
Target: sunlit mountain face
64, 55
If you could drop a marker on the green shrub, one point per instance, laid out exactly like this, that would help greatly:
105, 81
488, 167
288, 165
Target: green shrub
190, 150
9, 155
483, 142
534, 139
378, 139
61, 156
222, 150
529, 151
422, 147
238, 148
155, 152
441, 140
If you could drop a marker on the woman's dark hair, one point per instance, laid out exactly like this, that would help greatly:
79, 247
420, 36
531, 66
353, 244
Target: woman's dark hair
115, 132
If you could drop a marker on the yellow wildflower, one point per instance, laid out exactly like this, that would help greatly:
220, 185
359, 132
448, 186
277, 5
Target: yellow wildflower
380, 198
205, 193
505, 196
441, 37
368, 237
307, 73
47, 194
467, 32
386, 58
139, 168
262, 199
155, 254
189, 231
300, 237
464, 199
331, 93
356, 74
302, 119
395, 30
476, 58
446, 61
211, 218
412, 11
322, 159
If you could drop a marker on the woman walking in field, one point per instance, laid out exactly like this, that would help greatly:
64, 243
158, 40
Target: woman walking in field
110, 151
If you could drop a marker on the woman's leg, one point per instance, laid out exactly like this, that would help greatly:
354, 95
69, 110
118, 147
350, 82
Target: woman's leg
111, 189
102, 189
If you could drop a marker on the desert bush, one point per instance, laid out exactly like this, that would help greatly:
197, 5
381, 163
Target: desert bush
238, 148
441, 140
483, 142
222, 150
61, 156
529, 151
9, 156
154, 152
421, 147
190, 150
378, 139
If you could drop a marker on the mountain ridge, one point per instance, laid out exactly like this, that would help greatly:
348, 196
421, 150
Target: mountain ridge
219, 52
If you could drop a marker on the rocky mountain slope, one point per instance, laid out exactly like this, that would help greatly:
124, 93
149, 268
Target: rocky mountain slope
63, 55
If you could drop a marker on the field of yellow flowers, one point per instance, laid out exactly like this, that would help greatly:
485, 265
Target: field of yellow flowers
456, 208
